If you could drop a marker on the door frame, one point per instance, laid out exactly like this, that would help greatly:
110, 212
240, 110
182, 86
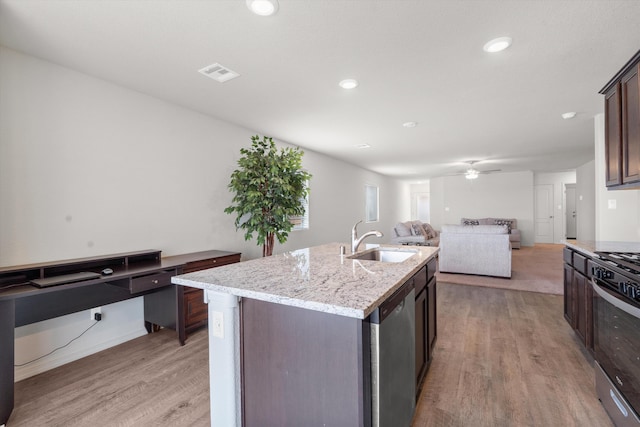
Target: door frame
566, 210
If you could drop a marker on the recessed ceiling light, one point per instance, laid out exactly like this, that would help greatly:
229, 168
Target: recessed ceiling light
410, 124
363, 146
569, 115
263, 7
497, 45
348, 84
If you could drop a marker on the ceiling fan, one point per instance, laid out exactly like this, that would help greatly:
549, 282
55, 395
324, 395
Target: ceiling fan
472, 173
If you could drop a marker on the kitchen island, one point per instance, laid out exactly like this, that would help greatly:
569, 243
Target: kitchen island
289, 334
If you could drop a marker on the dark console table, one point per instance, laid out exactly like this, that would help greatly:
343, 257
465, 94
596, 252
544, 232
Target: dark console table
141, 273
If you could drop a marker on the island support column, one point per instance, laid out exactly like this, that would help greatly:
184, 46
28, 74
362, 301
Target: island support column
224, 359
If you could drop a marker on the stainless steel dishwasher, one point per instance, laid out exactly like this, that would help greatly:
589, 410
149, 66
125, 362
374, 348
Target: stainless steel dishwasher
393, 377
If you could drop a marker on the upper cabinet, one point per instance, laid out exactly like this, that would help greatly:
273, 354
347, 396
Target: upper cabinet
622, 127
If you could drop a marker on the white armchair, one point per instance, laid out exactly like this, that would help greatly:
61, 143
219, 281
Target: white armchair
475, 249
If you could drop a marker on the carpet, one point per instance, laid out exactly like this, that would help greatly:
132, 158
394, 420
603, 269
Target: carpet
536, 268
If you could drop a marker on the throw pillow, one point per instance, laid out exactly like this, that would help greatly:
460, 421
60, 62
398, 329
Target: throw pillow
417, 229
430, 232
471, 222
504, 222
403, 230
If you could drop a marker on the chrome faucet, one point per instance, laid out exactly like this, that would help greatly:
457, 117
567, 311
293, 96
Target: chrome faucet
355, 241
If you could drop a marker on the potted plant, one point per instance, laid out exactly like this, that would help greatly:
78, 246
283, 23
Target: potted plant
269, 190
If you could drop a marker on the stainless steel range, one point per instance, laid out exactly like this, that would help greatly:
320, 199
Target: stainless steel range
615, 278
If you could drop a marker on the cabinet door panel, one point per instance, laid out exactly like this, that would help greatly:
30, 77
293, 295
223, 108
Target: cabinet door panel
421, 339
569, 298
613, 137
195, 309
581, 297
588, 302
303, 367
630, 127
432, 317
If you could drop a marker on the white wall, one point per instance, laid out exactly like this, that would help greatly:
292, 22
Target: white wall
557, 180
437, 200
623, 222
503, 195
586, 201
89, 168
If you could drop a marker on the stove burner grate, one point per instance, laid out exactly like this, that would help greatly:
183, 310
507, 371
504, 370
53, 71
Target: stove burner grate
628, 262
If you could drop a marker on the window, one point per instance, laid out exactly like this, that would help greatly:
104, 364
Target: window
371, 203
302, 222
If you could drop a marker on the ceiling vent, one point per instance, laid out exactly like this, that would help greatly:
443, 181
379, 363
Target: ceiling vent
218, 73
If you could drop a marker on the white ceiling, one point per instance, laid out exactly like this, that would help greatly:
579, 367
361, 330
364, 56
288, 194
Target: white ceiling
415, 60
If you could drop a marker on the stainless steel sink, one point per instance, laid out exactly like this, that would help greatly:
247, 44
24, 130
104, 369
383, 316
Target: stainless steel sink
384, 255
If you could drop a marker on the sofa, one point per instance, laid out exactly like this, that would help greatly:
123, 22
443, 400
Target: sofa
480, 249
511, 223
414, 233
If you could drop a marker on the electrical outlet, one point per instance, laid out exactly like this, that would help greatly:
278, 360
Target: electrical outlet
94, 311
217, 324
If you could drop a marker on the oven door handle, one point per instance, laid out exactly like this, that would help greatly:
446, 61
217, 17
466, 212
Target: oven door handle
616, 302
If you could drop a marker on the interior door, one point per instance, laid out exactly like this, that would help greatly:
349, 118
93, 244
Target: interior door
420, 207
570, 198
544, 213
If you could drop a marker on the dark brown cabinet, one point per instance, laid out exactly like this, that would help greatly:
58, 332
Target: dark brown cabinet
191, 306
578, 296
426, 320
622, 127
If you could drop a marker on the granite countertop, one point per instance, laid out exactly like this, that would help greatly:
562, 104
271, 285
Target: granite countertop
316, 278
590, 247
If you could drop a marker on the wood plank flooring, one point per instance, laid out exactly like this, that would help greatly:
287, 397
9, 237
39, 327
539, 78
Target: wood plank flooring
507, 358
148, 381
503, 358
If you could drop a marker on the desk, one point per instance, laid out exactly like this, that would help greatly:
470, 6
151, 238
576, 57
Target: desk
141, 273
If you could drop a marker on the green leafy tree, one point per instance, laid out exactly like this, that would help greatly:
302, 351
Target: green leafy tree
270, 187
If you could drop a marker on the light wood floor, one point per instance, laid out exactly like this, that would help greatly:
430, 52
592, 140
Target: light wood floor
503, 358
507, 358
